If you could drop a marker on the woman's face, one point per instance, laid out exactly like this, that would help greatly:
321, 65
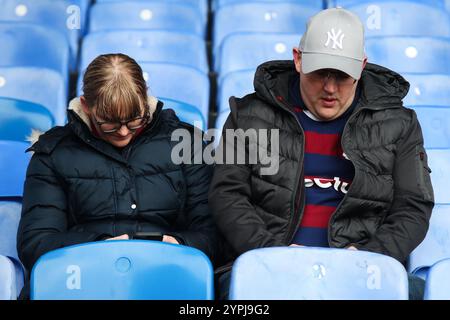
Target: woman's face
115, 133
120, 138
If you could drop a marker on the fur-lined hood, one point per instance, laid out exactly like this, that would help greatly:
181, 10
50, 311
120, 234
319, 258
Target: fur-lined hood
76, 107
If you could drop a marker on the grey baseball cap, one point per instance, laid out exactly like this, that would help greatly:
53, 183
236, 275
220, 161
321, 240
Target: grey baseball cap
334, 39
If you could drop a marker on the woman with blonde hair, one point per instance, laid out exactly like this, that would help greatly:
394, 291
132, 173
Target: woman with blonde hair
108, 173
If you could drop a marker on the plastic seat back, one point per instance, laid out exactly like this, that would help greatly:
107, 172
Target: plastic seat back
19, 118
428, 89
177, 16
437, 286
410, 54
147, 46
38, 85
435, 246
317, 273
129, 270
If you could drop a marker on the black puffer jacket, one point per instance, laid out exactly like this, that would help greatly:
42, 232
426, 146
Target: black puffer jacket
389, 203
80, 189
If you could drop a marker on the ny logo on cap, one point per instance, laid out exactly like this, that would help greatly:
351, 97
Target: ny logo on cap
336, 38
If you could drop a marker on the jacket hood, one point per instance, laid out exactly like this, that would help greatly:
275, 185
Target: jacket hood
381, 87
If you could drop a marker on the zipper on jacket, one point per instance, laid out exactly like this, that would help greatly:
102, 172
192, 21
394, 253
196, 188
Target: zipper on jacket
357, 112
294, 220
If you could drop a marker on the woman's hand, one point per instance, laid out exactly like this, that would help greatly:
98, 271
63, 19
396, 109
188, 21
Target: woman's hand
170, 239
122, 237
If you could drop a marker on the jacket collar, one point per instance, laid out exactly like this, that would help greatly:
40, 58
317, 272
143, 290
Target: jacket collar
380, 87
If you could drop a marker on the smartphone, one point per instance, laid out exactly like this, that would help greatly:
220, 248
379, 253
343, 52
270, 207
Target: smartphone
155, 236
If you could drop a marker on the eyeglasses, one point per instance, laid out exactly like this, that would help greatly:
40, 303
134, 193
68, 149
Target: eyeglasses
341, 78
132, 125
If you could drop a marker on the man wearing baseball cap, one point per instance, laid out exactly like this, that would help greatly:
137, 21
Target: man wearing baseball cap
353, 171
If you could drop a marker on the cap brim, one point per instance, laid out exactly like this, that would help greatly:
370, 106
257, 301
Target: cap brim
315, 61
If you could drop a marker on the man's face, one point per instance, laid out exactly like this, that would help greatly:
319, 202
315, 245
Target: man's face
327, 93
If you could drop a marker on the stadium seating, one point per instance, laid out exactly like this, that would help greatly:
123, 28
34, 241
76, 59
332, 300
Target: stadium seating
238, 84
30, 45
410, 54
178, 82
200, 5
439, 162
177, 16
437, 286
318, 4
147, 46
18, 118
10, 209
435, 246
428, 89
400, 18
254, 49
435, 124
13, 166
131, 270
286, 273
8, 289
38, 85
185, 112
55, 15
346, 3
287, 17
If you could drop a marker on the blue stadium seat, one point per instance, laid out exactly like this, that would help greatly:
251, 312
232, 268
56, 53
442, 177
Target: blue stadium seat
401, 18
410, 54
177, 82
18, 118
285, 273
428, 89
254, 49
286, 17
180, 17
238, 84
8, 289
10, 212
435, 123
38, 85
13, 166
435, 246
200, 5
185, 112
437, 286
55, 15
346, 3
128, 270
147, 46
439, 162
318, 4
29, 45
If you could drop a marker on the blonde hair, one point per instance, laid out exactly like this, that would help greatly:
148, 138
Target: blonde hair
114, 84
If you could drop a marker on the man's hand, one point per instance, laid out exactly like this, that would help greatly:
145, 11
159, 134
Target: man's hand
170, 239
295, 245
122, 237
352, 248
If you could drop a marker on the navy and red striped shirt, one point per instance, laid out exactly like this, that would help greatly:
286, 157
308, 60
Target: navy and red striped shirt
327, 173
